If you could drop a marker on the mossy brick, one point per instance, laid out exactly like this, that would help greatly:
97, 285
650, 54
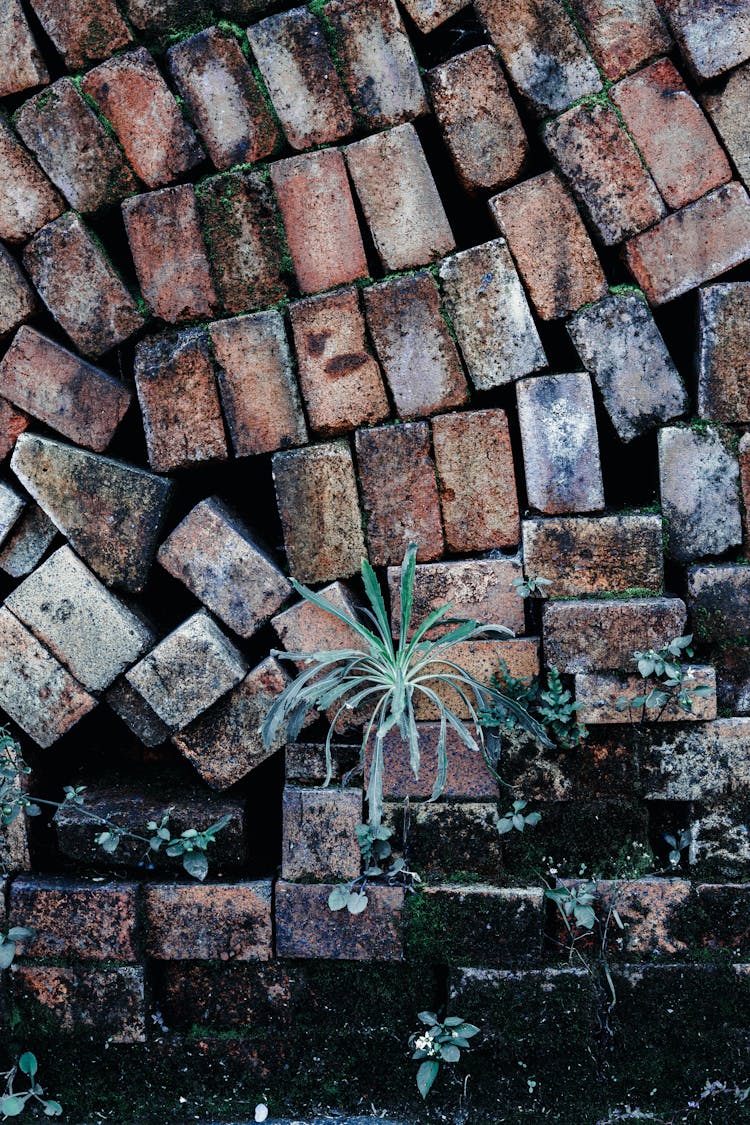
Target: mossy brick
156, 18
718, 601
76, 920
482, 660
15, 855
209, 921
231, 996
702, 762
83, 31
602, 635
476, 925
12, 505
479, 589
723, 365
467, 776
223, 98
449, 839
710, 45
12, 423
319, 838
732, 663
17, 301
27, 198
307, 928
430, 14
305, 628
305, 762
728, 105
73, 147
622, 37
700, 492
103, 1004
23, 63
600, 697
720, 841
718, 920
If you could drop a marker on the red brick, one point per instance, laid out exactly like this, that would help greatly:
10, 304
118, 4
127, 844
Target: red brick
399, 198
429, 14
170, 258
17, 300
479, 121
306, 628
12, 423
399, 492
481, 659
648, 909
340, 380
258, 390
603, 167
723, 359
55, 386
557, 261
468, 776
27, 198
103, 1004
672, 135
622, 35
414, 345
298, 70
712, 37
76, 920
307, 927
599, 696
729, 109
80, 287
74, 148
83, 30
591, 636
205, 922
223, 98
320, 221
23, 65
319, 838
141, 108
479, 589
703, 240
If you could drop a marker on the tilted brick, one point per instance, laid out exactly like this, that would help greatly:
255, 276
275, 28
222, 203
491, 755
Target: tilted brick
103, 1004
83, 31
27, 542
429, 14
728, 106
12, 423
593, 636
305, 627
306, 926
699, 482
723, 360
141, 719
27, 198
599, 696
76, 920
11, 507
622, 36
23, 65
479, 589
17, 300
719, 601
220, 921
319, 833
711, 38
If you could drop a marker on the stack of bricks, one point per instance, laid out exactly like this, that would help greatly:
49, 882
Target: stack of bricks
284, 287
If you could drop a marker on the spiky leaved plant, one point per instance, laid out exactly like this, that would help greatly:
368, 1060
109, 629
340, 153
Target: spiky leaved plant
387, 677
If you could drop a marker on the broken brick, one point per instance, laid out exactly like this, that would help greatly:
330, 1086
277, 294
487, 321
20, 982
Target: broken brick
622, 36
478, 589
306, 926
17, 300
23, 65
723, 360
319, 839
699, 482
76, 920
429, 14
103, 1004
712, 38
83, 31
27, 198
208, 922
600, 696
27, 543
593, 636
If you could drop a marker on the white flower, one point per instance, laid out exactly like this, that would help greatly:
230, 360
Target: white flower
261, 1112
423, 1043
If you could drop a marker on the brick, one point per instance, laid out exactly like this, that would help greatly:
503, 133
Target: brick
169, 253
316, 490
319, 834
619, 343
558, 264
599, 695
179, 400
399, 198
133, 710
83, 31
17, 300
429, 14
131, 93
23, 65
74, 148
156, 17
479, 589
188, 671
693, 764
304, 762
560, 444
607, 554
12, 423
467, 779
27, 198
478, 925
711, 38
321, 225
725, 917
104, 1004
110, 512
672, 134
27, 542
306, 927
80, 287
699, 483
378, 64
601, 636
82, 624
11, 507
225, 744
650, 911
76, 920
258, 390
414, 345
56, 387
720, 847
728, 106
743, 459
541, 50
693, 245
298, 70
227, 997
723, 364
305, 627
476, 480
622, 34
719, 601
205, 922
223, 98
244, 240
14, 845
481, 659
604, 170
447, 839
408, 509
340, 380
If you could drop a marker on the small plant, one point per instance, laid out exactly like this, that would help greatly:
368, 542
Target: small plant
515, 818
551, 705
9, 941
666, 681
576, 904
677, 845
440, 1043
376, 849
533, 586
739, 1095
13, 1102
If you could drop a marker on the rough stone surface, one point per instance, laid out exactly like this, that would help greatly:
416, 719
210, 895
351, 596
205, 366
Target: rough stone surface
709, 759
12, 423
141, 719
220, 921
699, 482
729, 109
27, 198
743, 459
103, 1004
305, 762
479, 589
305, 627
11, 507
17, 300
622, 34
482, 659
83, 31
319, 834
429, 14
76, 920
306, 927
723, 359
713, 38
600, 694
601, 636
719, 601
447, 839
648, 909
23, 65
154, 17
507, 930
27, 543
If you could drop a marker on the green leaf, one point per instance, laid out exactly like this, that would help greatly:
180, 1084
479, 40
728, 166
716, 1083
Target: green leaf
426, 1075
338, 898
11, 1106
408, 570
196, 864
468, 1030
27, 1064
7, 953
450, 1053
428, 1018
357, 902
53, 1108
533, 818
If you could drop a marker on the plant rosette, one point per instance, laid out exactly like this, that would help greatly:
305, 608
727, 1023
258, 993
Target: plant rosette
441, 1042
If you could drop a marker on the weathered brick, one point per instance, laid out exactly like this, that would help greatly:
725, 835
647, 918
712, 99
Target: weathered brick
594, 636
27, 198
723, 361
135, 99
321, 225
80, 287
713, 38
83, 31
599, 696
226, 997
216, 556
399, 198
11, 507
429, 14
340, 380
476, 480
306, 927
479, 589
223, 98
56, 387
399, 492
27, 542
298, 70
477, 925
699, 483
720, 845
23, 65
17, 300
482, 660
244, 240
14, 845
169, 253
541, 50
307, 628
305, 762
188, 671
695, 244
414, 345
719, 601
648, 910
557, 262
141, 719
319, 834
603, 168
104, 1004
12, 423
729, 108
743, 460
708, 759
257, 385
88, 630
225, 743
110, 512
619, 343
491, 316
467, 777
156, 17
732, 663
725, 917
622, 35
447, 839
179, 400
560, 444
76, 920
74, 148
207, 922
607, 554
